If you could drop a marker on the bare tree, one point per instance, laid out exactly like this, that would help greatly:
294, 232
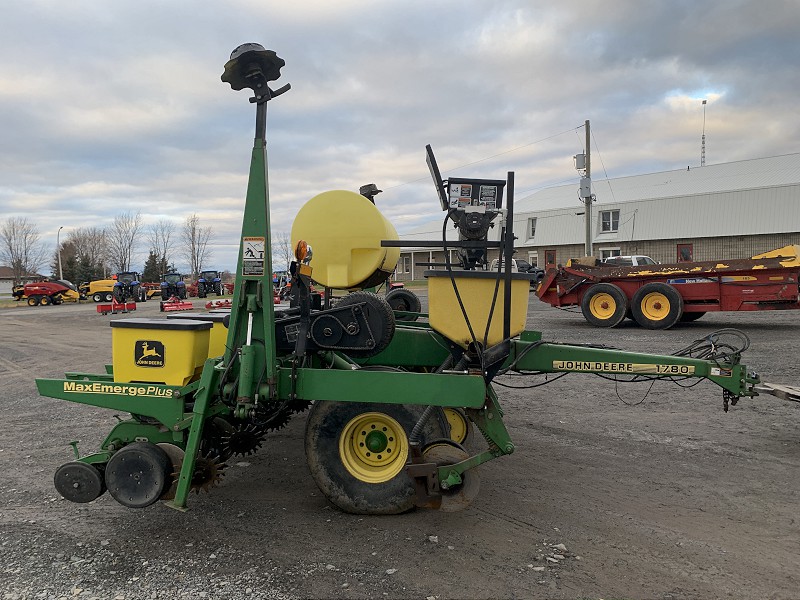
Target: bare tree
20, 247
121, 238
195, 244
282, 251
161, 238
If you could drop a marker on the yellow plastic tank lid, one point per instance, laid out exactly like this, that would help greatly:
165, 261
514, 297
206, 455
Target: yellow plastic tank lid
345, 230
183, 325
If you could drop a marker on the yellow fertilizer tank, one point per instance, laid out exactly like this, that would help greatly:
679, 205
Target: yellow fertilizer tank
344, 230
158, 350
477, 290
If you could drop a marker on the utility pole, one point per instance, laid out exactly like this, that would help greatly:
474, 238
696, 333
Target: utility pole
703, 139
586, 192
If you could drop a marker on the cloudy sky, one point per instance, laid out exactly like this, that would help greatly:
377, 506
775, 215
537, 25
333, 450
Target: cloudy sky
117, 106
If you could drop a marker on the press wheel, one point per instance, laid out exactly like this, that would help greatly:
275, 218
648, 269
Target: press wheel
459, 497
138, 474
79, 482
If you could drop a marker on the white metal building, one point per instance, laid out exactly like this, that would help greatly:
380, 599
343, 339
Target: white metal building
729, 210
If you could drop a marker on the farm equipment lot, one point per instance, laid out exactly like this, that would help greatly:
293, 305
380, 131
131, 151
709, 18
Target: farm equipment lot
670, 498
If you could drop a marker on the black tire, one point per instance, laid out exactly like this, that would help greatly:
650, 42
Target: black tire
79, 482
109, 296
138, 474
604, 305
406, 301
34, 300
657, 306
45, 300
135, 293
201, 292
688, 317
328, 421
380, 317
97, 297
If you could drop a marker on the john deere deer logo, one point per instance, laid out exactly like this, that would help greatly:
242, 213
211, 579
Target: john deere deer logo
149, 353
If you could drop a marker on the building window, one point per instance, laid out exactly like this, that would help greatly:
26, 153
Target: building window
531, 228
549, 257
609, 252
609, 221
685, 252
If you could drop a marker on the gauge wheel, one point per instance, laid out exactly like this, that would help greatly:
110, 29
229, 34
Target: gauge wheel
657, 306
79, 482
406, 301
357, 454
458, 497
138, 474
34, 300
604, 305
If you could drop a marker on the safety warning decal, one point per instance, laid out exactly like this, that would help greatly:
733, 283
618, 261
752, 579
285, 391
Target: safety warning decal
253, 256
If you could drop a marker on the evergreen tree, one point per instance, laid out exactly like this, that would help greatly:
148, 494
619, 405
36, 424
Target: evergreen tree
152, 268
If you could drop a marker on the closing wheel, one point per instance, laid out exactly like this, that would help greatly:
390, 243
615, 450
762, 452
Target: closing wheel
404, 300
657, 306
357, 453
138, 474
604, 305
460, 496
176, 456
79, 482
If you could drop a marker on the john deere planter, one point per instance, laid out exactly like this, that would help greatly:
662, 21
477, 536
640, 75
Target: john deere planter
390, 402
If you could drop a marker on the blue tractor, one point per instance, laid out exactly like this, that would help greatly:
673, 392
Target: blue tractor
209, 283
173, 286
127, 287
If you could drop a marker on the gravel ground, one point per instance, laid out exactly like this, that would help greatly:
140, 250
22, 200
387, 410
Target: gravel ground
614, 490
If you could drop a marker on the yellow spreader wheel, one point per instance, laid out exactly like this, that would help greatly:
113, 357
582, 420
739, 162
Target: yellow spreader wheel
657, 306
373, 447
604, 305
459, 425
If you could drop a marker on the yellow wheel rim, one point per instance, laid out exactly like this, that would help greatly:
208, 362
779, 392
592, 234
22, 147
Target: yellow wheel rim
602, 306
459, 427
655, 306
373, 447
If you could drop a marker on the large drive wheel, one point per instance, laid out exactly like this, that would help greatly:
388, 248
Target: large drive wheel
357, 453
604, 305
657, 306
406, 301
138, 474
34, 300
79, 482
